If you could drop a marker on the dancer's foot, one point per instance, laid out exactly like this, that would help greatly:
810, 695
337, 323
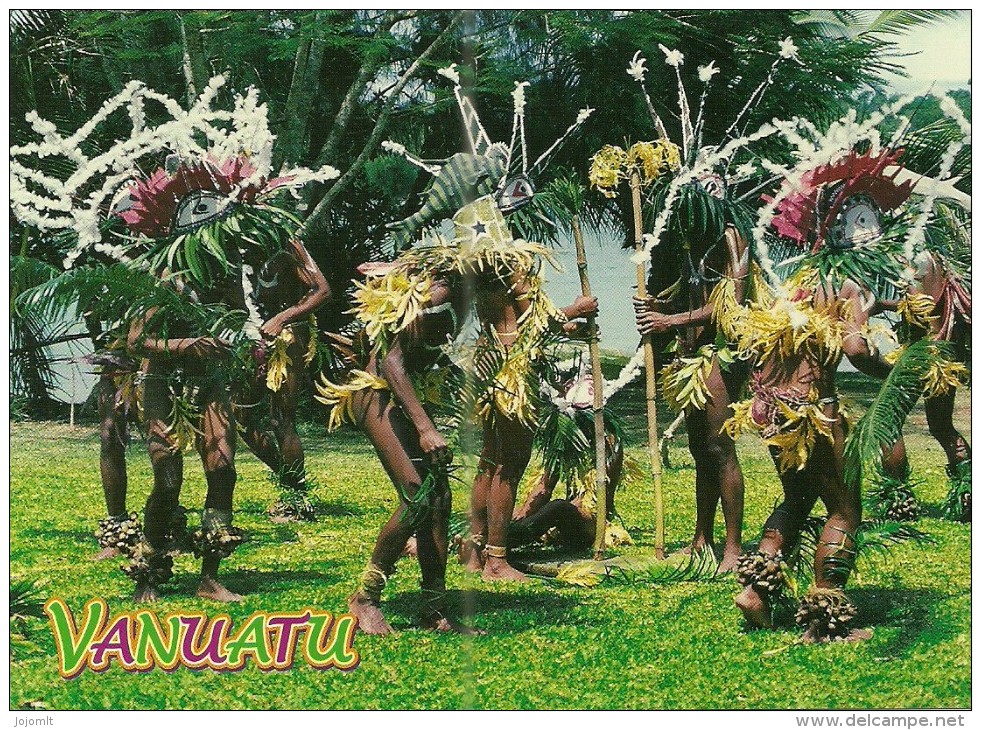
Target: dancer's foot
438, 622
106, 553
471, 557
500, 569
145, 594
369, 615
210, 588
698, 545
754, 608
730, 556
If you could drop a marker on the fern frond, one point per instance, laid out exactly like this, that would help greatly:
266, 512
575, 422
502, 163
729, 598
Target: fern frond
883, 422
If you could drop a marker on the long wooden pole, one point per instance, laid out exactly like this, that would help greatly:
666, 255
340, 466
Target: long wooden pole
599, 428
652, 440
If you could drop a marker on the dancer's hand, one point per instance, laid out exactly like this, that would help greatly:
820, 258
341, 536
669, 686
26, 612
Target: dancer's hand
434, 446
581, 331
584, 307
271, 328
208, 348
653, 323
645, 304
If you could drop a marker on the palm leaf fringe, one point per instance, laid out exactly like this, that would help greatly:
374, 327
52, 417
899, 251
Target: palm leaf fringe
882, 423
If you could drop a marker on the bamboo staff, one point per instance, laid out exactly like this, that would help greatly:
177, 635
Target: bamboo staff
652, 440
599, 429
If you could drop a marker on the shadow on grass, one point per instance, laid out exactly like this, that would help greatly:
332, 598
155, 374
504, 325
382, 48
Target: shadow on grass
255, 582
524, 611
911, 611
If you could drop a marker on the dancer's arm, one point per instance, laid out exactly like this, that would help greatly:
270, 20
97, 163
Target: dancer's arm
317, 294
855, 342
394, 370
650, 321
141, 343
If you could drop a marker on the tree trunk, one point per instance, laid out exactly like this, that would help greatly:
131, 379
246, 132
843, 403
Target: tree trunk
375, 138
304, 85
194, 62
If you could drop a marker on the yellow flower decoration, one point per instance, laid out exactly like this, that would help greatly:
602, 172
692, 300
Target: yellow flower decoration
796, 437
183, 422
340, 396
727, 312
786, 327
312, 342
684, 380
741, 420
612, 164
943, 376
917, 310
606, 169
278, 360
388, 304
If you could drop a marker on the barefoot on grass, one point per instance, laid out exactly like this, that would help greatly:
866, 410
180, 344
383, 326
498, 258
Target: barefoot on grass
369, 615
212, 589
500, 569
754, 608
729, 559
471, 558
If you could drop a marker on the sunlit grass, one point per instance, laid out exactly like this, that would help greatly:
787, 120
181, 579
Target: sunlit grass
548, 645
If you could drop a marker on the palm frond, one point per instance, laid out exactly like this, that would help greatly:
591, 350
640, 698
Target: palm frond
700, 566
883, 422
873, 539
26, 598
896, 22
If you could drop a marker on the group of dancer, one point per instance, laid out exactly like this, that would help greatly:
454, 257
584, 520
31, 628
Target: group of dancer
202, 301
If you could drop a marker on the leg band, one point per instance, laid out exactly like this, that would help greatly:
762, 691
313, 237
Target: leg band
216, 536
149, 565
764, 573
826, 612
121, 532
496, 551
373, 582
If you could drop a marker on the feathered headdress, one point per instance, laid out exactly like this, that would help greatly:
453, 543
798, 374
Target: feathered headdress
841, 203
487, 168
218, 157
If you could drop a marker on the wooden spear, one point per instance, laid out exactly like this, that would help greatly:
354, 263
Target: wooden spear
599, 429
652, 440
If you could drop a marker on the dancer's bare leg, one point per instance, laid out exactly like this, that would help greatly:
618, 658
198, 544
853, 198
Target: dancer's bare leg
780, 534
940, 421
717, 472
167, 462
112, 455
217, 449
396, 442
511, 445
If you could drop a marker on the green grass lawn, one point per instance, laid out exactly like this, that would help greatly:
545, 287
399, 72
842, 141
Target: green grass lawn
548, 645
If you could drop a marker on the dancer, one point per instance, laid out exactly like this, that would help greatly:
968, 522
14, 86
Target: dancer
937, 304
382, 400
118, 401
568, 455
517, 322
204, 224
798, 332
704, 357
